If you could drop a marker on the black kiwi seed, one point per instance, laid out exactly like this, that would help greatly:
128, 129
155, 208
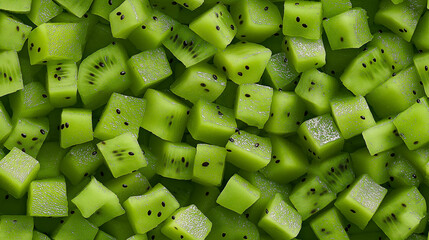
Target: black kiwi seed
392, 178
353, 211
131, 153
416, 142
228, 150
223, 234
123, 73
35, 139
247, 95
277, 161
38, 50
143, 27
23, 135
231, 139
304, 25
94, 153
118, 13
17, 28
362, 117
247, 67
219, 113
202, 84
67, 125
118, 111
124, 185
149, 212
110, 2
418, 101
414, 92
240, 74
44, 95
126, 123
217, 28
298, 19
58, 69
101, 64
256, 144
122, 17
205, 164
42, 131
159, 214
364, 65
232, 27
185, 4
265, 8
155, 18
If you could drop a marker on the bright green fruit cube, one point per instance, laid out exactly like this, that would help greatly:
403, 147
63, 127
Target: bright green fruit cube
238, 194
303, 19
17, 170
147, 211
248, 151
209, 165
16, 227
375, 166
76, 127
128, 16
75, 227
187, 223
360, 201
304, 54
329, 225
47, 198
381, 137
280, 220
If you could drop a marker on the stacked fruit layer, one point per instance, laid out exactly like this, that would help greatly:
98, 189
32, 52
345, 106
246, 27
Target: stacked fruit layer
193, 119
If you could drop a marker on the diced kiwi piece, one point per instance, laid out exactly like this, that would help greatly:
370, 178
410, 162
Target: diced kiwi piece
302, 19
310, 196
256, 20
316, 89
71, 120
122, 154
81, 161
147, 211
375, 166
400, 18
421, 33
320, 137
421, 62
103, 8
119, 227
288, 163
204, 197
243, 62
56, 41
402, 173
248, 151
11, 76
148, 68
43, 10
219, 18
418, 159
19, 6
10, 205
49, 157
229, 225
165, 115
304, 54
103, 73
28, 135
329, 225
47, 198
279, 72
352, 115
17, 170
14, 33
132, 184
338, 60
348, 29
366, 72
287, 113
360, 201
128, 16
122, 114
396, 51
16, 227
381, 137
280, 221
31, 101
5, 123
187, 223
209, 164
401, 212
238, 194
175, 160
187, 46
253, 103
181, 189
416, 134
75, 227
61, 83
335, 7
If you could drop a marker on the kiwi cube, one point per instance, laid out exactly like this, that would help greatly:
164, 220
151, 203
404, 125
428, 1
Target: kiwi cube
78, 9
335, 7
360, 201
81, 161
248, 151
43, 11
302, 19
238, 194
47, 198
288, 163
200, 81
31, 101
329, 225
128, 16
14, 33
73, 119
11, 79
103, 9
16, 227
381, 137
188, 223
5, 123
122, 154
280, 220
320, 137
316, 89
122, 114
49, 157
19, 6
204, 197
401, 212
209, 165
397, 93
119, 227
148, 68
421, 62
17, 171
219, 18
421, 33
403, 173
375, 166
243, 62
147, 211
256, 20
75, 227
352, 115
61, 83
211, 123
304, 54
417, 158
165, 115
416, 134
132, 184
279, 72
